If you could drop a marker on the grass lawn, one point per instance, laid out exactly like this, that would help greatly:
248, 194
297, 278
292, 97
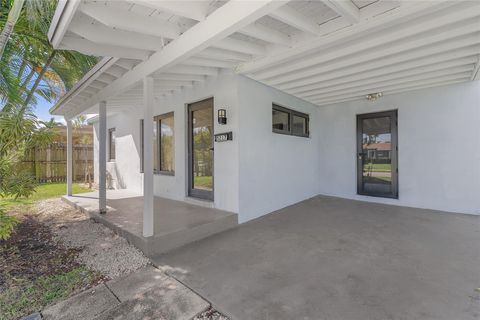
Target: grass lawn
24, 297
43, 191
35, 270
203, 182
379, 167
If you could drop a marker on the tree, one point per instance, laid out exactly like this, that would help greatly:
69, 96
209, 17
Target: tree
12, 18
29, 67
19, 131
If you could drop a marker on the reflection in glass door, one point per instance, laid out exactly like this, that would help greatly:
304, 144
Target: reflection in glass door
200, 115
377, 172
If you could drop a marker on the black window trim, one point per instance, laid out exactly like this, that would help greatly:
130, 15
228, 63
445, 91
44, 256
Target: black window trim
291, 113
157, 119
110, 159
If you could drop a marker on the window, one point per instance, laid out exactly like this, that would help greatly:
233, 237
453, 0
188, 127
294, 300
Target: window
111, 144
164, 144
287, 121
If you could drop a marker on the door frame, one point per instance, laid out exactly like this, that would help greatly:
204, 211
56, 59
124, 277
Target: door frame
393, 114
198, 193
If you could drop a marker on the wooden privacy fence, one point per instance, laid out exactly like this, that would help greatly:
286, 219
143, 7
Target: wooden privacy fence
49, 164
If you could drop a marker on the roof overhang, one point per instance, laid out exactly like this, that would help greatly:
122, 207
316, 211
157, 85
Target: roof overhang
320, 51
61, 20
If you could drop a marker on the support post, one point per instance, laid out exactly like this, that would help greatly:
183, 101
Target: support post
69, 157
148, 205
102, 157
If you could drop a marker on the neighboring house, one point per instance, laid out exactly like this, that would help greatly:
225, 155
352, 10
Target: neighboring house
378, 150
252, 106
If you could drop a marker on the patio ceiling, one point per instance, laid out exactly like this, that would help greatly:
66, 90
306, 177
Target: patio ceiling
322, 51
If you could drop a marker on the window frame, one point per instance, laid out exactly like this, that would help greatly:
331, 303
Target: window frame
110, 159
157, 120
142, 146
291, 113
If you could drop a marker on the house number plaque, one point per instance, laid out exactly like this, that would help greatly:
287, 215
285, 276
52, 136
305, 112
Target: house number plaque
222, 137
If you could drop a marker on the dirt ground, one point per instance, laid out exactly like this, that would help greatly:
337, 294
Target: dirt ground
57, 251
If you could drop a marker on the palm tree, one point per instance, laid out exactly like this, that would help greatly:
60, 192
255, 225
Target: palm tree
30, 65
12, 18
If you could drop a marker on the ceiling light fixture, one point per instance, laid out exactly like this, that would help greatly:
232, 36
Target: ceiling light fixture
374, 96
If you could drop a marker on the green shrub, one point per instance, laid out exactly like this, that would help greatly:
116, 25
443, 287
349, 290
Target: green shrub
7, 223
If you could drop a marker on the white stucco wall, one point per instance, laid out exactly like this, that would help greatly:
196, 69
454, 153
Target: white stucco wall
276, 170
125, 169
261, 171
439, 147
223, 89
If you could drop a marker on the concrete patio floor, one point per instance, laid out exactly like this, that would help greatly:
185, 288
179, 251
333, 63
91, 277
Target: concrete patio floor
330, 258
175, 222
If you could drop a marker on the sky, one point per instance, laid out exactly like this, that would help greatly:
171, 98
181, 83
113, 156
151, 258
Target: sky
41, 110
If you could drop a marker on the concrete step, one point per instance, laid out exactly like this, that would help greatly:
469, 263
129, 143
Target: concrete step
162, 243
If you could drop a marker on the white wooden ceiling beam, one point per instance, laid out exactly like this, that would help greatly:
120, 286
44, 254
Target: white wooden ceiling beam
382, 67
115, 17
92, 48
382, 74
126, 64
224, 21
240, 46
375, 60
105, 77
476, 72
407, 11
392, 90
259, 31
198, 70
345, 8
97, 85
104, 35
215, 53
199, 61
83, 95
295, 19
177, 76
399, 40
385, 81
148, 31
115, 71
391, 86
90, 90
170, 83
195, 10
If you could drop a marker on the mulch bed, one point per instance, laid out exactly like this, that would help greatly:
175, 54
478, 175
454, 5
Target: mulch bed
32, 252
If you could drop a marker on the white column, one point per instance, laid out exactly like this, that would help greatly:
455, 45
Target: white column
102, 157
69, 157
148, 157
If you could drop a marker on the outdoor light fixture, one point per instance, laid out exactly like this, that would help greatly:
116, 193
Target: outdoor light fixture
222, 116
373, 96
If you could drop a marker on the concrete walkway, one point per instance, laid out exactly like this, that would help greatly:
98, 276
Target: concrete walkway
145, 294
330, 258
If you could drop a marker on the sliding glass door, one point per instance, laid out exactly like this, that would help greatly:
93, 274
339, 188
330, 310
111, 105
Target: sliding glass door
200, 149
